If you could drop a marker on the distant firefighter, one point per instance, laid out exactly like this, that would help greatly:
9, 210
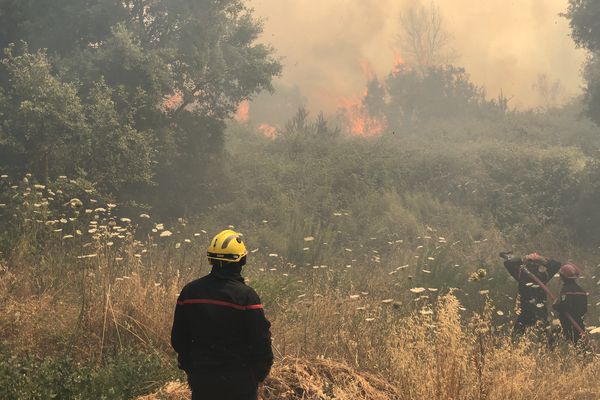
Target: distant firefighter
529, 271
220, 332
572, 303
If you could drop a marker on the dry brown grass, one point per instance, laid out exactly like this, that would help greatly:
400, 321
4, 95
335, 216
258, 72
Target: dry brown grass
327, 349
315, 379
324, 379
338, 333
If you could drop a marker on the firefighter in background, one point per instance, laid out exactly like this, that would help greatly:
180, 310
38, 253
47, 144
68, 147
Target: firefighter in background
533, 310
220, 332
572, 301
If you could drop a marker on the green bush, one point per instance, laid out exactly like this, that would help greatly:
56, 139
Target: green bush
122, 375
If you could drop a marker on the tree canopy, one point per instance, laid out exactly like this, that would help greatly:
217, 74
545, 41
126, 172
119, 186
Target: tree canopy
142, 86
584, 19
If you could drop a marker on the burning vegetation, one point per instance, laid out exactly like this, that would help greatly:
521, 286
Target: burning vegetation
133, 130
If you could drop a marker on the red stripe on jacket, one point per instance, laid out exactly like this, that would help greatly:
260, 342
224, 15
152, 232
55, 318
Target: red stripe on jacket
220, 303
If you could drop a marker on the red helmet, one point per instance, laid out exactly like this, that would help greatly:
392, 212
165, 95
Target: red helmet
535, 256
569, 271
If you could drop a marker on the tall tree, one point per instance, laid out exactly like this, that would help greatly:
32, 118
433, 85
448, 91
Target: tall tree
174, 71
49, 130
58, 25
424, 40
584, 19
438, 92
43, 119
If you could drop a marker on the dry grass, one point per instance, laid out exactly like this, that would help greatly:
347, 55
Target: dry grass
328, 350
344, 333
315, 379
328, 345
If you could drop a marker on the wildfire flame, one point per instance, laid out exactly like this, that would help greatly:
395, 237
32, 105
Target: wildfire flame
367, 69
268, 130
243, 113
172, 102
398, 62
360, 122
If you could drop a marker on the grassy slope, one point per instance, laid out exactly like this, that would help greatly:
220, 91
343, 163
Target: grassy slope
427, 207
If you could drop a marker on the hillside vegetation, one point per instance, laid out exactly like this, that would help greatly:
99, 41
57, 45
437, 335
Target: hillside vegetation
374, 233
378, 253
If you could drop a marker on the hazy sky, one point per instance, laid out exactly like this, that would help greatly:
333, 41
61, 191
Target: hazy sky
503, 44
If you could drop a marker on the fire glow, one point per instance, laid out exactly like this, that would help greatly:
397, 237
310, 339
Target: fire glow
243, 113
360, 122
268, 130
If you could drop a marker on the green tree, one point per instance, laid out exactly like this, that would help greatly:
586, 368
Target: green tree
43, 118
49, 130
121, 158
175, 70
61, 26
437, 92
584, 19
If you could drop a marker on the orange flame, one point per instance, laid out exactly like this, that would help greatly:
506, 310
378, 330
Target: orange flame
172, 102
367, 69
243, 113
268, 130
398, 62
360, 122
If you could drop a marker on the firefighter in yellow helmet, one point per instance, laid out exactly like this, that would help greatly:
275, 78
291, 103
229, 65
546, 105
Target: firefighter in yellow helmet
220, 331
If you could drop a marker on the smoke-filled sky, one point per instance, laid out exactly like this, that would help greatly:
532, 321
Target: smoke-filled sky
503, 44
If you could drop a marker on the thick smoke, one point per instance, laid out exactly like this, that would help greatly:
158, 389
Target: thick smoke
329, 46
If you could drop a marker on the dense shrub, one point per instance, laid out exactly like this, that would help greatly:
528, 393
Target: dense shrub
120, 376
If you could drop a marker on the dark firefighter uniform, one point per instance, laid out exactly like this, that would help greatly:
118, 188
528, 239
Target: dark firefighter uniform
572, 301
532, 298
221, 334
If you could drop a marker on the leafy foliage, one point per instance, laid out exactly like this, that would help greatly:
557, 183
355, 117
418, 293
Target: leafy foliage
49, 130
584, 16
584, 19
440, 92
143, 86
121, 376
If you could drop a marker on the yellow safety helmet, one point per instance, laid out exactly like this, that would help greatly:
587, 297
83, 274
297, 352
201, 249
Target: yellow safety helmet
227, 246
